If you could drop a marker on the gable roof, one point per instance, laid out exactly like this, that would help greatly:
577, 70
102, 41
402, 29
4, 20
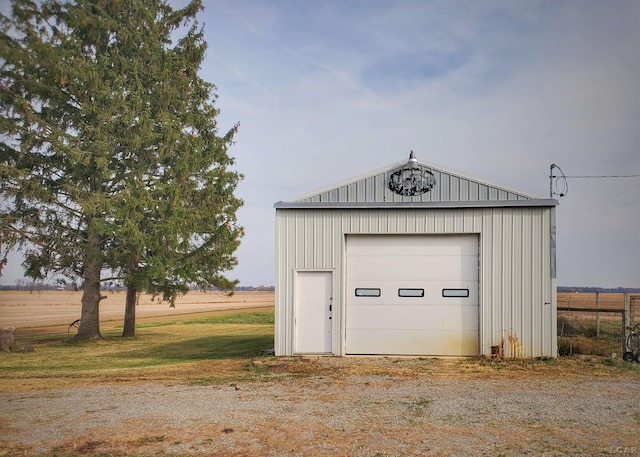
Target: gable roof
449, 188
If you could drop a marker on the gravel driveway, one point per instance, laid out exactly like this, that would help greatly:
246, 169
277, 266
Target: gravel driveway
341, 414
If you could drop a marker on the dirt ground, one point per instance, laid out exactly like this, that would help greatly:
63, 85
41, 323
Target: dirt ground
338, 407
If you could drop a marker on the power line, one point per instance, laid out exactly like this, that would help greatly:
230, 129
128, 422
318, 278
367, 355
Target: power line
602, 176
587, 214
562, 186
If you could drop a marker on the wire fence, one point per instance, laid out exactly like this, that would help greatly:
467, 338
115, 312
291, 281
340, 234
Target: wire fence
590, 332
595, 324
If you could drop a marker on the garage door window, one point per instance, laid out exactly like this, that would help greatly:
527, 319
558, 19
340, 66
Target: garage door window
455, 293
367, 292
410, 292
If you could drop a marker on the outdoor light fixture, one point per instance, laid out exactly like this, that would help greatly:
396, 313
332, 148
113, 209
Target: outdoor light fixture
412, 179
413, 162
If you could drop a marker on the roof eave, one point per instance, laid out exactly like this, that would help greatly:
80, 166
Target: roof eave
548, 202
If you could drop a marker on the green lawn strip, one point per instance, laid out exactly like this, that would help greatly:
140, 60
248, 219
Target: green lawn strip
241, 318
220, 337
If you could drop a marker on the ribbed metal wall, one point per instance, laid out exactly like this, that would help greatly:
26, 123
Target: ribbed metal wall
449, 187
517, 288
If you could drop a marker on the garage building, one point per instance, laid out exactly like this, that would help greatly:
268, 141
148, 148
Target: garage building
415, 259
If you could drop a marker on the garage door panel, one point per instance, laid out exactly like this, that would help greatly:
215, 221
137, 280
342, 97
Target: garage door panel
413, 342
427, 323
411, 317
412, 268
395, 245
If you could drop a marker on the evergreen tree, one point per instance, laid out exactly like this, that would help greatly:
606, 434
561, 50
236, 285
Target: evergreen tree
110, 156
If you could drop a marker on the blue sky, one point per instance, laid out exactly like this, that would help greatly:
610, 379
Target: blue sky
327, 90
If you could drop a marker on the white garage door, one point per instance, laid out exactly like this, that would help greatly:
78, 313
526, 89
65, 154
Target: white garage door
412, 295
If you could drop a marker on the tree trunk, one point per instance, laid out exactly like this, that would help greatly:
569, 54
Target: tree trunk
90, 317
130, 312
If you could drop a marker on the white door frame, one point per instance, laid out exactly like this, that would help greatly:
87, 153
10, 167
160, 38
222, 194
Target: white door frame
313, 311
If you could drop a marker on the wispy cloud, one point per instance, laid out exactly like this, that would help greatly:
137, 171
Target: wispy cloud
499, 89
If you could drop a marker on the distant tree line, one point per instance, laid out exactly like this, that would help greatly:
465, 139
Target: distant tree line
257, 289
30, 285
604, 290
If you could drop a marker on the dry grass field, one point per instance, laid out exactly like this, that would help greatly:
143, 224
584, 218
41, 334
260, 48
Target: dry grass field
53, 311
25, 310
590, 323
589, 300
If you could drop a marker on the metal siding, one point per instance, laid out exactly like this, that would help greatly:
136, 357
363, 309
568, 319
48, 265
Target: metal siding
517, 321
361, 191
474, 191
516, 299
506, 305
280, 295
352, 192
548, 320
464, 190
496, 274
283, 289
445, 189
435, 193
483, 192
454, 188
553, 337
515, 258
448, 187
528, 268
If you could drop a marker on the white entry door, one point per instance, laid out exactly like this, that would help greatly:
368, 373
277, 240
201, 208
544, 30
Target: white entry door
313, 312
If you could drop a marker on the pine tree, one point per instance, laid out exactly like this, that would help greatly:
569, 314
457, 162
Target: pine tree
112, 165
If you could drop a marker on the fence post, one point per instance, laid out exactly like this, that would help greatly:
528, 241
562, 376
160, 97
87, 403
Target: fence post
626, 320
597, 315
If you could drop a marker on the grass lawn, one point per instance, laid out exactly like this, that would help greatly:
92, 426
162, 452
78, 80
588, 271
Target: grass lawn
226, 349
212, 349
